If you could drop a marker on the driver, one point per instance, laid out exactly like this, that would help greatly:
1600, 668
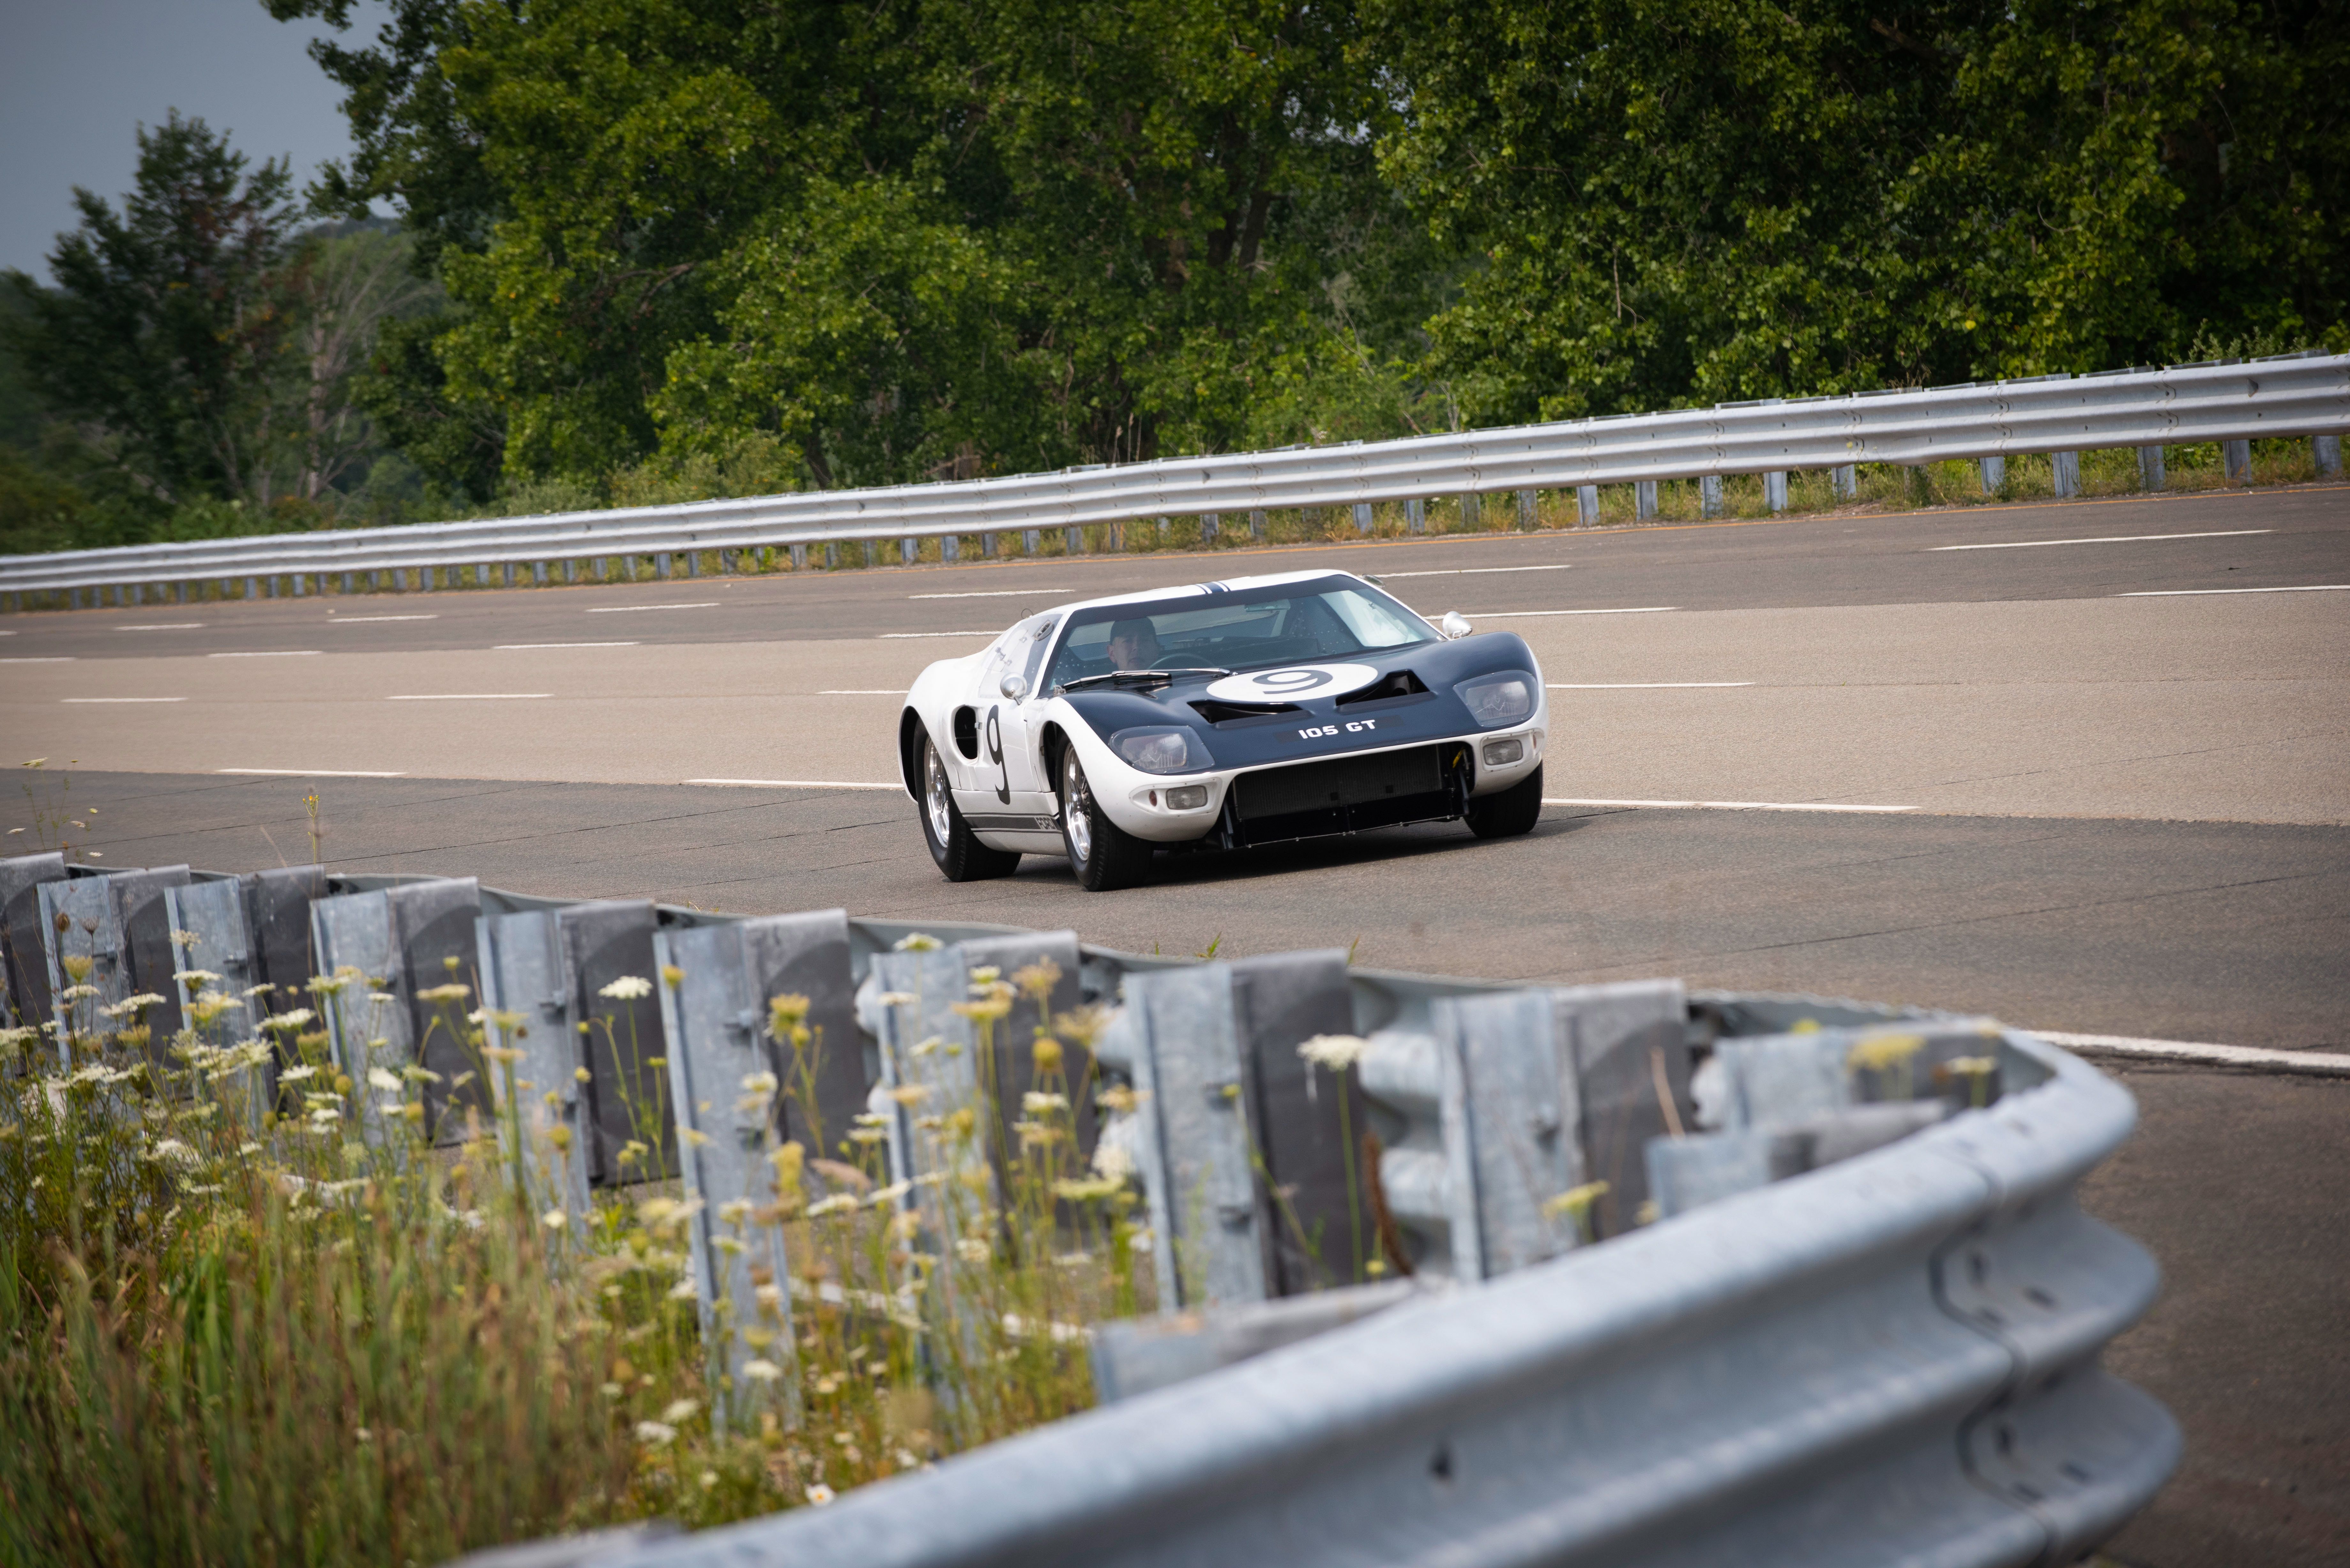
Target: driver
1132, 644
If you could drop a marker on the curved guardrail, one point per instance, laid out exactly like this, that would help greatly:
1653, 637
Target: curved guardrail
2294, 395
1893, 1359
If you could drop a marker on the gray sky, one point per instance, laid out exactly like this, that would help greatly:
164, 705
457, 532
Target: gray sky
76, 77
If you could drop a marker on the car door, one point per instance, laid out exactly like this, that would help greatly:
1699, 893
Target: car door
1008, 777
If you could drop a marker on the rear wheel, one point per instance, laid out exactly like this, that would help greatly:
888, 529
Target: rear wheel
1102, 854
1508, 813
956, 848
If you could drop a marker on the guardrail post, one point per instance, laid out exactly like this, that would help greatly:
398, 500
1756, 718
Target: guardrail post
2064, 471
1032, 539
1526, 508
1994, 473
1775, 490
1362, 517
1843, 481
1210, 522
1643, 497
1256, 523
950, 547
1586, 505
799, 557
301, 588
1415, 514
987, 547
2149, 468
252, 591
538, 574
1073, 540
907, 550
2326, 452
1473, 509
1709, 496
2237, 455
660, 564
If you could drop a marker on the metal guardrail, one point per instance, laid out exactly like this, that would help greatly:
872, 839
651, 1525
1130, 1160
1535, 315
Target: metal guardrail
1857, 1323
2293, 395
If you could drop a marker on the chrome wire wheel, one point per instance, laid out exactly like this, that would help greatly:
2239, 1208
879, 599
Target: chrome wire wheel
1077, 808
936, 801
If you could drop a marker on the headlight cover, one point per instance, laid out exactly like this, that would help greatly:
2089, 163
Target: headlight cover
1504, 698
1161, 749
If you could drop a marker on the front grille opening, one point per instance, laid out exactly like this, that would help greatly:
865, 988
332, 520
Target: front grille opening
1402, 683
1221, 713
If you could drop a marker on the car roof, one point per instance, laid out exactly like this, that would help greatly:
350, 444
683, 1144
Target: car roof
1203, 590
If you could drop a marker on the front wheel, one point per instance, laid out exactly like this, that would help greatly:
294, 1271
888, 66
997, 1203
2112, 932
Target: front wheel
1102, 854
1508, 813
956, 848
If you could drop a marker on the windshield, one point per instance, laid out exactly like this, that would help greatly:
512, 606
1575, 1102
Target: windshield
1283, 623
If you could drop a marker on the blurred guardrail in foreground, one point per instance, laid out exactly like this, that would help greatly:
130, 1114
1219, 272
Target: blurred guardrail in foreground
2231, 403
1670, 1277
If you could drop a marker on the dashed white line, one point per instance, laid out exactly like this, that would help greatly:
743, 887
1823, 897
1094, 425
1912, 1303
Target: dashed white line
314, 772
164, 625
998, 593
2106, 539
1636, 685
122, 699
1520, 614
797, 784
2324, 1062
365, 619
510, 647
862, 692
1477, 571
269, 653
631, 609
2192, 593
1727, 805
52, 658
468, 696
901, 636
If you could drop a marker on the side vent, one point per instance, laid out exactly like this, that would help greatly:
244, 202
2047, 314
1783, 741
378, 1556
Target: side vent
966, 732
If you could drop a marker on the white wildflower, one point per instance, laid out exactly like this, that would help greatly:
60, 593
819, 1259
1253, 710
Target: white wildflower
684, 1290
1113, 1162
762, 1371
130, 1004
837, 1203
1336, 1051
628, 988
899, 998
385, 1079
76, 992
555, 1218
193, 978
653, 1434
296, 1075
292, 1020
820, 1494
971, 1249
172, 1149
1036, 1104
681, 1410
735, 1210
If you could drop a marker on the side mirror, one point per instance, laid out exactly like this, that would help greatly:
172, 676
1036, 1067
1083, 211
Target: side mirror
1016, 686
1454, 624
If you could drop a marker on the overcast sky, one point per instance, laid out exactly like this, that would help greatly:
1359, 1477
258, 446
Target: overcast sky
78, 77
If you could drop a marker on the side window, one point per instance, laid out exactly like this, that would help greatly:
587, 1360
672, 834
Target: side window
1039, 641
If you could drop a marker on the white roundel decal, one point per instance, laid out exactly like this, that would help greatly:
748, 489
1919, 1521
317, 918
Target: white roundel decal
1293, 682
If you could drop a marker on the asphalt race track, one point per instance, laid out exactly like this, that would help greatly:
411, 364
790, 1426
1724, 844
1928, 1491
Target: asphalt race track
2084, 767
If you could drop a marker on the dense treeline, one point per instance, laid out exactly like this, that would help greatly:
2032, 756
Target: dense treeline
662, 248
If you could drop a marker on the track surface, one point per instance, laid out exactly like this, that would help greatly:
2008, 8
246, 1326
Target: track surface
2125, 816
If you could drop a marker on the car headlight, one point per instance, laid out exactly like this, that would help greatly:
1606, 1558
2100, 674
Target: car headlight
1162, 751
1497, 699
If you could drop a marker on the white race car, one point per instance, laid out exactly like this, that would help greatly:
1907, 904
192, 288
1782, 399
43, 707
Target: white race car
1223, 714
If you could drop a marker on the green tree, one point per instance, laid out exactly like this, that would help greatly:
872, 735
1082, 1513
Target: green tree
165, 319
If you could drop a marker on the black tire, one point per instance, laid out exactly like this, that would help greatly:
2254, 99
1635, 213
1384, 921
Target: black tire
1510, 812
958, 851
1104, 855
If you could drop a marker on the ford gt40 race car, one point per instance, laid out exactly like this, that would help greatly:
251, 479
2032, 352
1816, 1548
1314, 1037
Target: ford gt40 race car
1218, 715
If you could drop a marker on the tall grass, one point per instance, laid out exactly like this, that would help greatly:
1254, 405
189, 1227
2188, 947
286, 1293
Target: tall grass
255, 1309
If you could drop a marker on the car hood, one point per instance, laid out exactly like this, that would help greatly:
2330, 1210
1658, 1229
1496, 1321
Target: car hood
1408, 697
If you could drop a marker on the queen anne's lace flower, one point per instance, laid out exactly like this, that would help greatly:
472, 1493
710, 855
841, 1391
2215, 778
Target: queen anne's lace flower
628, 988
1336, 1051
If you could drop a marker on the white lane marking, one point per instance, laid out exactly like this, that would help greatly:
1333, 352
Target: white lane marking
364, 620
510, 647
1636, 685
2191, 593
898, 636
1477, 571
797, 784
314, 772
1520, 614
122, 699
468, 696
862, 691
2327, 1062
164, 625
2108, 539
270, 653
53, 659
1727, 805
630, 610
998, 593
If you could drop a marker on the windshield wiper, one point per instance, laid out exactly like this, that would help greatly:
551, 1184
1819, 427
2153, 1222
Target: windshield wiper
1137, 677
